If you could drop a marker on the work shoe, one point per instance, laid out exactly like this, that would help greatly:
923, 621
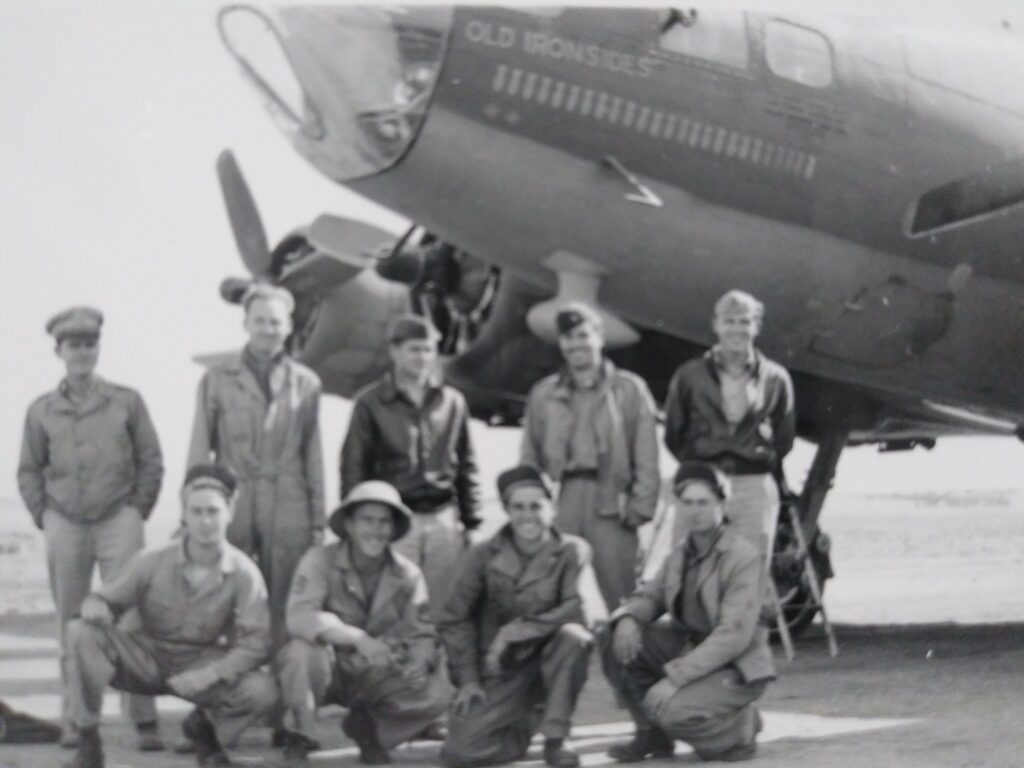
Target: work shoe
89, 752
148, 738
359, 726
739, 753
650, 742
557, 755
295, 755
184, 745
200, 731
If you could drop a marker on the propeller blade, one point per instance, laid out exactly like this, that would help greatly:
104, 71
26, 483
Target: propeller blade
243, 215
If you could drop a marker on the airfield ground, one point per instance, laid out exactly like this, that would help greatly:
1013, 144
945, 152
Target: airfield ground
929, 601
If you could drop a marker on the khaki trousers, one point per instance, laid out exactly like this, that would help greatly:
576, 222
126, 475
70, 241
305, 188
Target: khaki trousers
614, 545
499, 730
312, 674
435, 543
753, 509
132, 662
711, 714
73, 551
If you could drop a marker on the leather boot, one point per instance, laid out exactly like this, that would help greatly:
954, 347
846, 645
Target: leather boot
650, 742
200, 731
89, 752
557, 755
359, 726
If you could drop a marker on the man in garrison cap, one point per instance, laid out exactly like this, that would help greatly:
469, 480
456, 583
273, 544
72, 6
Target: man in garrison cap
591, 428
412, 431
515, 629
695, 677
205, 630
258, 414
361, 634
89, 473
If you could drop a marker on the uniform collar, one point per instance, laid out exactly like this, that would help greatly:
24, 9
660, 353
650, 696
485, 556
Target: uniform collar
751, 366
565, 385
99, 393
248, 358
506, 558
343, 556
389, 390
226, 564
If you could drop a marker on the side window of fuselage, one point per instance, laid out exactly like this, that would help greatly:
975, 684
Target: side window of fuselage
798, 53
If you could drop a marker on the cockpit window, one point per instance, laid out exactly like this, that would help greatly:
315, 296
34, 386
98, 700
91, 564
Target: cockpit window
349, 85
798, 54
717, 35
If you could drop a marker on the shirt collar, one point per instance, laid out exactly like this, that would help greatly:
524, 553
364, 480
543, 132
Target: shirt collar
696, 554
390, 391
261, 363
752, 364
226, 564
343, 556
567, 385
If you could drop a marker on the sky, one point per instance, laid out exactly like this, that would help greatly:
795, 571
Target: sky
112, 116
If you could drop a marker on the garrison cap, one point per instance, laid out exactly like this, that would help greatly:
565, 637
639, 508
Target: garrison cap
268, 292
75, 321
379, 492
524, 474
211, 476
703, 472
407, 327
575, 314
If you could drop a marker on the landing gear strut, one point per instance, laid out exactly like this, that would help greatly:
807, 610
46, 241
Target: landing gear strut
789, 564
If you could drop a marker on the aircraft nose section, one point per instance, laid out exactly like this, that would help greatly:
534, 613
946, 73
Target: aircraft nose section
349, 86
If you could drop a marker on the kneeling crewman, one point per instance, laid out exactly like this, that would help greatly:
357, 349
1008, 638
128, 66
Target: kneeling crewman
696, 678
205, 629
514, 631
361, 637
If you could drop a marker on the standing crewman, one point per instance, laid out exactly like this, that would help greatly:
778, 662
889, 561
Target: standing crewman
203, 634
361, 634
258, 414
412, 431
591, 427
89, 473
734, 408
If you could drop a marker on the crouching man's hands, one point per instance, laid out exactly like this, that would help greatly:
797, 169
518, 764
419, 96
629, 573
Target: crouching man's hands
96, 611
193, 682
466, 697
658, 696
627, 640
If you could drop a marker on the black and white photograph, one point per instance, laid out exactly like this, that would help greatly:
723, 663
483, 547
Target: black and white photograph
512, 385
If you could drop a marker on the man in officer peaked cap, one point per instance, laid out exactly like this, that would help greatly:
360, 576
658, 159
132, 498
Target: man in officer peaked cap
89, 473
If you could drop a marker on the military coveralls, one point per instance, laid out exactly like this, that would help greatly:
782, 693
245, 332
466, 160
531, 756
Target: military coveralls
535, 604
601, 445
273, 446
85, 467
715, 649
427, 454
223, 623
328, 592
745, 426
